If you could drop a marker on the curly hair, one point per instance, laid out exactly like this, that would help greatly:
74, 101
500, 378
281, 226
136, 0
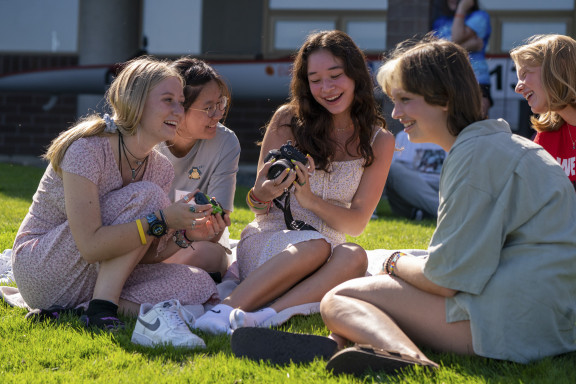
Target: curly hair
312, 123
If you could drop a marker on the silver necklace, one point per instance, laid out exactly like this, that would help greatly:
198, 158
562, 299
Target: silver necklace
140, 163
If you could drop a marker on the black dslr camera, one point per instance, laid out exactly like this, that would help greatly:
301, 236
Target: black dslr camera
284, 157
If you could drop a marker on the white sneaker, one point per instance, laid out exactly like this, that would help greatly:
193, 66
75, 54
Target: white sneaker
165, 323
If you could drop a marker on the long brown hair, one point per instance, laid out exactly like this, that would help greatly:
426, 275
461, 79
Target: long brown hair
312, 123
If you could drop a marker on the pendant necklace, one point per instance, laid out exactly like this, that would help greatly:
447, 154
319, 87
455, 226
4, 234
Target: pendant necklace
139, 162
573, 144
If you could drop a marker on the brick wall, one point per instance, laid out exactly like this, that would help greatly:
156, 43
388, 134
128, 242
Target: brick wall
248, 118
29, 121
27, 126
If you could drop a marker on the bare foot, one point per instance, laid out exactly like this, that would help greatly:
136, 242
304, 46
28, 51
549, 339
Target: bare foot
342, 342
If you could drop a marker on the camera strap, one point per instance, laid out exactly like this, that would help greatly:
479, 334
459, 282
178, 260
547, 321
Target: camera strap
297, 225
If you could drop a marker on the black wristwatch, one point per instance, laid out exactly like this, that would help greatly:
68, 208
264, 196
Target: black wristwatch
158, 227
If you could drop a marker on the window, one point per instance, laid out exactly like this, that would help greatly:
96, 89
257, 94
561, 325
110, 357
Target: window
290, 34
289, 22
32, 31
515, 32
173, 27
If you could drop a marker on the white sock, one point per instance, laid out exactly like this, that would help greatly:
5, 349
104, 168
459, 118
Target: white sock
240, 318
215, 320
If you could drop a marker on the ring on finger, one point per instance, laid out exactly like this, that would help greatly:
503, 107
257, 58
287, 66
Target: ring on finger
193, 224
302, 184
192, 208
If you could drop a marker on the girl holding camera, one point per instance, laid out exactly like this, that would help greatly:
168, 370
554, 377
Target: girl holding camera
334, 120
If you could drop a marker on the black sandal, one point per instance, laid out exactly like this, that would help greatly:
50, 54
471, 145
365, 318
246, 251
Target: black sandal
359, 359
279, 347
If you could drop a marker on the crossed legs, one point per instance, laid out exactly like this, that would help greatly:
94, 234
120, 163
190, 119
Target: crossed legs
298, 275
391, 314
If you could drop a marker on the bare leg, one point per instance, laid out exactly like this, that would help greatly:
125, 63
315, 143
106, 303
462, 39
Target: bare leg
113, 273
206, 255
128, 308
391, 314
348, 261
279, 274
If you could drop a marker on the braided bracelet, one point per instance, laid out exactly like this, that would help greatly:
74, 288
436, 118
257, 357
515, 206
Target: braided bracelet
250, 203
253, 196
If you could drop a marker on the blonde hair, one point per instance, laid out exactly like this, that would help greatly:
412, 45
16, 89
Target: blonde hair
556, 54
126, 98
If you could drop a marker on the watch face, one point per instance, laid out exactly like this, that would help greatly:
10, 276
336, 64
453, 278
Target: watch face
158, 229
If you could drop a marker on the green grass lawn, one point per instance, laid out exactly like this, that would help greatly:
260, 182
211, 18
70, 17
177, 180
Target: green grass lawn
66, 352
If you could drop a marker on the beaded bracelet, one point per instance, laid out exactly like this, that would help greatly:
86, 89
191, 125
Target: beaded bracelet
181, 239
390, 264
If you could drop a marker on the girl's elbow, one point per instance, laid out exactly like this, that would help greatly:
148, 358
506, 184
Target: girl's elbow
87, 256
447, 292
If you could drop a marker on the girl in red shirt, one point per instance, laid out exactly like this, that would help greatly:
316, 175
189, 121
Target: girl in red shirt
546, 69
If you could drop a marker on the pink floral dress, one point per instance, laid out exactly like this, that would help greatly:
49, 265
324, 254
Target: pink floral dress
49, 269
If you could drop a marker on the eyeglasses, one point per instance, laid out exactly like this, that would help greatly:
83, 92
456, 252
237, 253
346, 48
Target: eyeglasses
211, 110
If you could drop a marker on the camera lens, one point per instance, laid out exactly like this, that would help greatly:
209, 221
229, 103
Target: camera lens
278, 167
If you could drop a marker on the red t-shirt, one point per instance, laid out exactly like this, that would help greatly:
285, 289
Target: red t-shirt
562, 147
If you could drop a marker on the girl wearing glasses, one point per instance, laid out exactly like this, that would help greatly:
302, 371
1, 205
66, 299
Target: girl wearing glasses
334, 119
205, 157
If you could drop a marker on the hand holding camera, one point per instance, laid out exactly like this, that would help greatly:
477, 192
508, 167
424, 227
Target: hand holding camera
284, 157
202, 198
205, 223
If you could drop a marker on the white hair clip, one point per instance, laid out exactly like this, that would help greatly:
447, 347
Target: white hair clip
110, 125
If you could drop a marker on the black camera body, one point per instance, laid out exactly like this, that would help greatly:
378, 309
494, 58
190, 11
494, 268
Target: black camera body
201, 198
284, 157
